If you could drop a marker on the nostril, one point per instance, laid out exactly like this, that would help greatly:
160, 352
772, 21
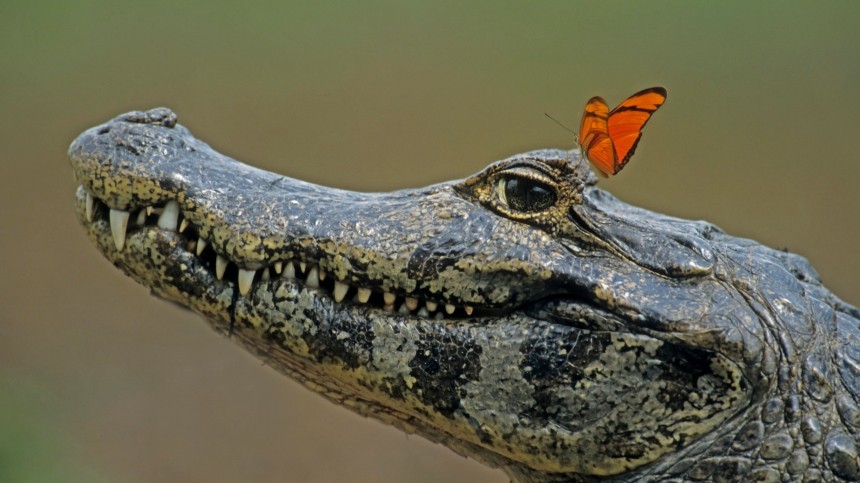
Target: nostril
103, 130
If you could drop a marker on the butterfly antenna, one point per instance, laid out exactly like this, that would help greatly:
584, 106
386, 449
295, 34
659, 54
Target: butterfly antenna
562, 125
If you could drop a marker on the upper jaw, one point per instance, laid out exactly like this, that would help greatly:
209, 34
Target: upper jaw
428, 248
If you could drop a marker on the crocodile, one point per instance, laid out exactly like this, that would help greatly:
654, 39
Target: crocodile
522, 316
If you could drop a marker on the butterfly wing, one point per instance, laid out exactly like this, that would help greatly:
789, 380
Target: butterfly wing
594, 139
625, 122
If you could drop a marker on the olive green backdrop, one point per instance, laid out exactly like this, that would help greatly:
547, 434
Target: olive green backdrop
101, 382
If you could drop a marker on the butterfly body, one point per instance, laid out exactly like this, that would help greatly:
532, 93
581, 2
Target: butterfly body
609, 138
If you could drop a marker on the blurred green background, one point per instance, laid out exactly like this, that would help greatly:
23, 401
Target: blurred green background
101, 382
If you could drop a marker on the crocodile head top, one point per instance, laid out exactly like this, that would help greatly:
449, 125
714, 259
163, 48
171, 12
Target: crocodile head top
521, 316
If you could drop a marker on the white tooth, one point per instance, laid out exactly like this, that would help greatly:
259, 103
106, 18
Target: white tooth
290, 271
201, 245
423, 313
183, 225
246, 278
90, 207
313, 280
149, 210
279, 266
322, 275
141, 218
303, 266
412, 303
118, 225
340, 290
389, 298
169, 217
264, 276
403, 309
363, 295
468, 310
389, 308
439, 316
220, 266
431, 306
449, 309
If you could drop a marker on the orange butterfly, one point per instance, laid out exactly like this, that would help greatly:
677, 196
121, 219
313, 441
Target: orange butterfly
609, 138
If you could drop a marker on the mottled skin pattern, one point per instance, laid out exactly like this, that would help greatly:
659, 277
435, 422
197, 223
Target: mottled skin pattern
602, 342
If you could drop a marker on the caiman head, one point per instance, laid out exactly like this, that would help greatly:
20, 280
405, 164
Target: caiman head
521, 316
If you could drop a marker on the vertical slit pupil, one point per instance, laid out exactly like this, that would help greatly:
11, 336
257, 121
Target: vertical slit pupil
528, 195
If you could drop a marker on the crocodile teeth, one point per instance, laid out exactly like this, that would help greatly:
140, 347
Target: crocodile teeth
141, 218
90, 207
431, 306
363, 295
449, 309
149, 210
423, 312
220, 266
389, 298
246, 278
265, 276
322, 275
313, 280
201, 245
169, 217
439, 316
411, 303
279, 267
118, 225
183, 225
290, 271
403, 309
303, 266
340, 290
468, 310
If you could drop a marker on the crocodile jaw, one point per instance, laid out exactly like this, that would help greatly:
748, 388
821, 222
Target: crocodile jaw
487, 386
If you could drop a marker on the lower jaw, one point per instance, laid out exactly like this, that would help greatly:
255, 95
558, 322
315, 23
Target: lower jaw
178, 263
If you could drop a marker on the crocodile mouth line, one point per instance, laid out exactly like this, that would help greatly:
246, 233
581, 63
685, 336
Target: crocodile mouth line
169, 217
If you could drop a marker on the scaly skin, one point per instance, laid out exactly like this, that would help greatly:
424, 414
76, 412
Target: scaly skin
588, 340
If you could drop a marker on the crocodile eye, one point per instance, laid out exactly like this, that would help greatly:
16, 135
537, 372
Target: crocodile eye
524, 194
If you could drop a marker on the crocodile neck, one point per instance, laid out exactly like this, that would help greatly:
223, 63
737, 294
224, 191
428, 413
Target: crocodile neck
522, 316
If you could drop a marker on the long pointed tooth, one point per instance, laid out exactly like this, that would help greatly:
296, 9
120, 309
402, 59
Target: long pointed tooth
220, 266
411, 303
246, 278
389, 308
389, 298
322, 275
149, 210
438, 316
90, 207
431, 306
303, 266
118, 225
264, 275
340, 290
363, 295
290, 270
423, 312
201, 245
279, 267
183, 225
468, 309
403, 309
313, 280
169, 217
141, 218
449, 309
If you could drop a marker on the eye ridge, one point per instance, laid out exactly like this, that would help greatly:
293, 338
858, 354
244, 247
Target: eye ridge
525, 194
